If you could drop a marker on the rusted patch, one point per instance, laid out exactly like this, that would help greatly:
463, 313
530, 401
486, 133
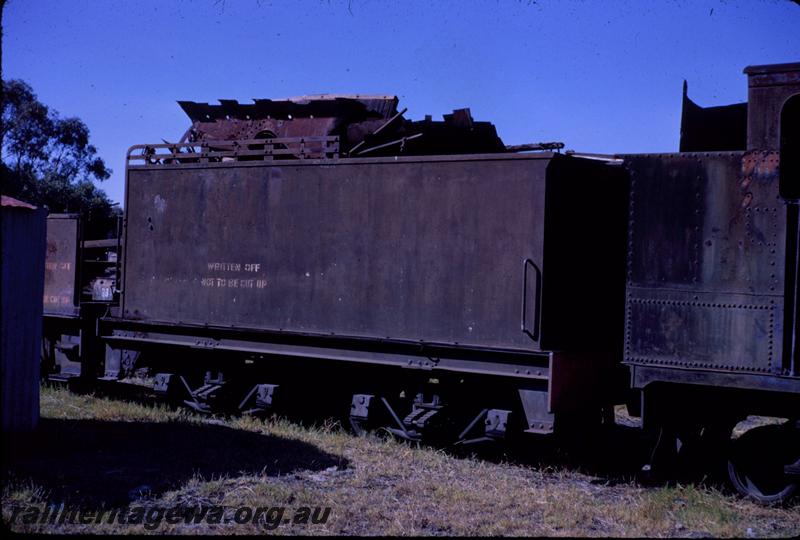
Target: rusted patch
706, 262
365, 125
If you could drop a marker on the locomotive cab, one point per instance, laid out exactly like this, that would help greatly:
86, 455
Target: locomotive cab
712, 294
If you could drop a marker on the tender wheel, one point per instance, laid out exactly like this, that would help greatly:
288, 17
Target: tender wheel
757, 460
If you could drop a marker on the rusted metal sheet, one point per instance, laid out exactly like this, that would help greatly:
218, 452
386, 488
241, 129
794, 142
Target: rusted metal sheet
22, 263
61, 265
447, 250
713, 260
363, 124
706, 263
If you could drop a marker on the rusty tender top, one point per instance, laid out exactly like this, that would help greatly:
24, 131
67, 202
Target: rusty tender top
365, 125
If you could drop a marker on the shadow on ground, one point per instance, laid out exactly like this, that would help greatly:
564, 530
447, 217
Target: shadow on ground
112, 463
611, 454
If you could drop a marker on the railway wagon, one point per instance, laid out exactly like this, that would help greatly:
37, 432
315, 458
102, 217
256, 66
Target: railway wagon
442, 290
323, 252
79, 287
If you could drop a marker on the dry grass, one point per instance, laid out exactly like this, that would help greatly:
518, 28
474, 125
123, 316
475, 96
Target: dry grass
373, 484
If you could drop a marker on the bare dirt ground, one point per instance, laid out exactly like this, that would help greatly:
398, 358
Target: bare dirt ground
111, 453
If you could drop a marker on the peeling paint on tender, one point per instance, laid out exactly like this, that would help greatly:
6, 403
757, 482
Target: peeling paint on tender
160, 204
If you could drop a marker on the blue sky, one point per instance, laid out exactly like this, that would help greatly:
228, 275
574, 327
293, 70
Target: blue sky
600, 76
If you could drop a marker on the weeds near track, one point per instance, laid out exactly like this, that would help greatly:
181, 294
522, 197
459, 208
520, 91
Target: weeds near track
108, 452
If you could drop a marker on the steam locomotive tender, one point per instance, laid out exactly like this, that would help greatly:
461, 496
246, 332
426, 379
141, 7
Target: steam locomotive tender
324, 252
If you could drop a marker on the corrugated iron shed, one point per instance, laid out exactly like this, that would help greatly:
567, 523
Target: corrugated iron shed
22, 227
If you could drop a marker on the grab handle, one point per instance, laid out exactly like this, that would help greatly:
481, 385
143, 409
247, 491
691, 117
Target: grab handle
534, 332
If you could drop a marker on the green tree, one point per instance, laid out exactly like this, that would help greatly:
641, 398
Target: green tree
48, 160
